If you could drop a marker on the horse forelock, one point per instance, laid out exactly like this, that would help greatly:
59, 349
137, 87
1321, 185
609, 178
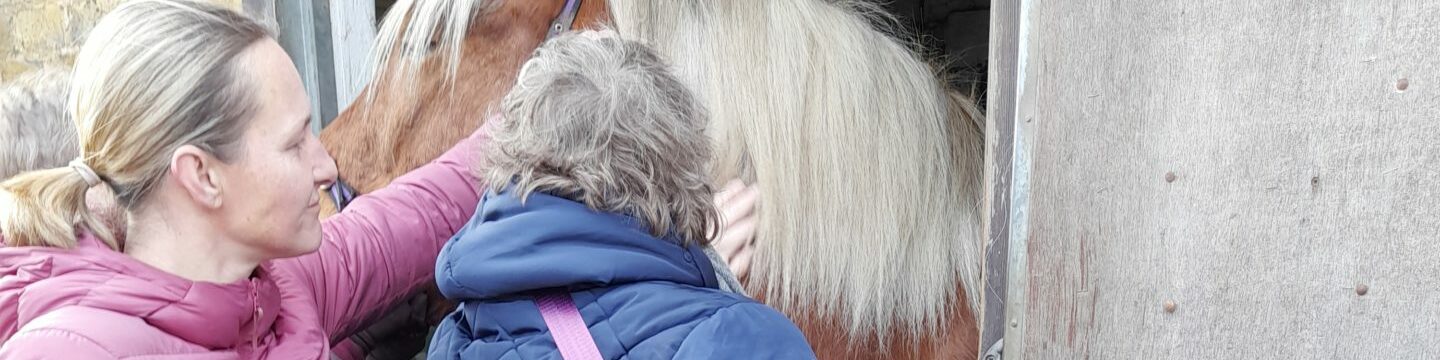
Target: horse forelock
413, 29
869, 173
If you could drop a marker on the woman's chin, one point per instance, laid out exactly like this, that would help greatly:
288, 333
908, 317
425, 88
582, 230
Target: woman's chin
311, 242
306, 242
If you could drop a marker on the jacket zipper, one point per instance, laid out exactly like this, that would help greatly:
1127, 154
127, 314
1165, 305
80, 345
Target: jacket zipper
255, 314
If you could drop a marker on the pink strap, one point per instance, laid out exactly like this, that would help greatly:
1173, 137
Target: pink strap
567, 327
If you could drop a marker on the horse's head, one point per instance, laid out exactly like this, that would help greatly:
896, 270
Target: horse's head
439, 65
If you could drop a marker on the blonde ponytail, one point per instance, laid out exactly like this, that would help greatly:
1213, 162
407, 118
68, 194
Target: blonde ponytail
44, 208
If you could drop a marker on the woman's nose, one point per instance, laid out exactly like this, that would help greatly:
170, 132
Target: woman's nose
325, 169
326, 173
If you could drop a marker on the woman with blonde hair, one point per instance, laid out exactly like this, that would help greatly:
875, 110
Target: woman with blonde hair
36, 133
194, 117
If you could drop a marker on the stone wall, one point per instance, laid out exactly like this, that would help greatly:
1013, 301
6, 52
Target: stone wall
36, 34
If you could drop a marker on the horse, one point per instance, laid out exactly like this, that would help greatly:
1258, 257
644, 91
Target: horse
869, 167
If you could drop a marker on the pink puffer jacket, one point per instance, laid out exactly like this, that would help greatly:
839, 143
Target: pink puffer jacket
95, 303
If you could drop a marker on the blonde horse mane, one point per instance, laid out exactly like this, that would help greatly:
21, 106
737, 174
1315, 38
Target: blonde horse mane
869, 169
414, 28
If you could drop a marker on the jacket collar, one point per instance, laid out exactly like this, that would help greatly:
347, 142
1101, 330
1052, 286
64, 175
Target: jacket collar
216, 316
511, 247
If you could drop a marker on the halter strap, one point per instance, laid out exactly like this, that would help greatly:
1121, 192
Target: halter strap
565, 20
341, 193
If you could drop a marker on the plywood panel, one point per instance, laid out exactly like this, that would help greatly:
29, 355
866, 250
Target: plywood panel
999, 154
1251, 162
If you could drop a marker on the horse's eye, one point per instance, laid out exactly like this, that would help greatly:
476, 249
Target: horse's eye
421, 51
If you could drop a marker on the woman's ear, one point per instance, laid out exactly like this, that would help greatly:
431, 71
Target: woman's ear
197, 173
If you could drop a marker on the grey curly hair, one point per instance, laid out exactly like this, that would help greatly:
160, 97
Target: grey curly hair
602, 121
35, 130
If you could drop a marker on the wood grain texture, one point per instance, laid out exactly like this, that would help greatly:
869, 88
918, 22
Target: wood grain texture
329, 41
999, 136
352, 35
1250, 162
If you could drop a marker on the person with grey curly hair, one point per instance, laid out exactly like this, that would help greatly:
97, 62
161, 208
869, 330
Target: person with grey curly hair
596, 212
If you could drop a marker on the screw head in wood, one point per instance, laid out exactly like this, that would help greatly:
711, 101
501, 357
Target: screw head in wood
1169, 306
1361, 289
1402, 84
1170, 177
